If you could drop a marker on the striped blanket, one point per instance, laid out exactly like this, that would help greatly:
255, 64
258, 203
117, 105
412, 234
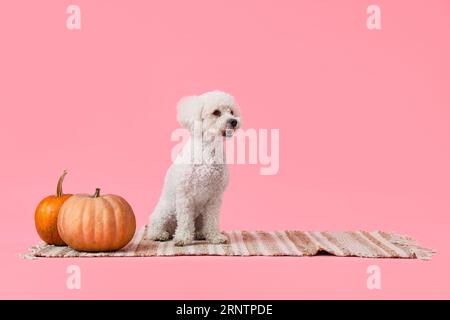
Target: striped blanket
374, 244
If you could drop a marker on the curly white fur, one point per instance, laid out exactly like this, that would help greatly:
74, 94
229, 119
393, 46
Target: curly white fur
189, 206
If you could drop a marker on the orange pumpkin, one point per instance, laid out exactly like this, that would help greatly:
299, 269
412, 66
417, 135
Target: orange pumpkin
46, 215
96, 223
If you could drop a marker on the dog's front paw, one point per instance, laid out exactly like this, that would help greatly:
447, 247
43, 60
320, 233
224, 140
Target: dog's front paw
182, 241
160, 236
217, 239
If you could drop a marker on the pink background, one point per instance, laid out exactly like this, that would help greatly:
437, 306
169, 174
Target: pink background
364, 120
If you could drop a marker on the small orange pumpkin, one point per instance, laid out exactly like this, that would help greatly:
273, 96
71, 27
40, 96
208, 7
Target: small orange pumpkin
96, 223
46, 215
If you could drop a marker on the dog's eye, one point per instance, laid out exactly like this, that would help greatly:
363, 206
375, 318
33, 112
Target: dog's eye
232, 113
217, 113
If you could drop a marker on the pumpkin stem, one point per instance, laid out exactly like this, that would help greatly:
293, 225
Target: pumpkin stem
97, 193
59, 191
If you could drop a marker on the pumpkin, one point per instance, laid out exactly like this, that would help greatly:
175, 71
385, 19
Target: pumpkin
96, 223
46, 215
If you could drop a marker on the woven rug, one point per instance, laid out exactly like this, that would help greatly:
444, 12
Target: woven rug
374, 244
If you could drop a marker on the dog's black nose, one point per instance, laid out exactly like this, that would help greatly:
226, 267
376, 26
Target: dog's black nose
232, 122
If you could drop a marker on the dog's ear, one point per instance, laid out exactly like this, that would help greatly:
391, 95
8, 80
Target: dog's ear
189, 111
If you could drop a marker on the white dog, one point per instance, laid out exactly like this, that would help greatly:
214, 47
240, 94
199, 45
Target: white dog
190, 202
